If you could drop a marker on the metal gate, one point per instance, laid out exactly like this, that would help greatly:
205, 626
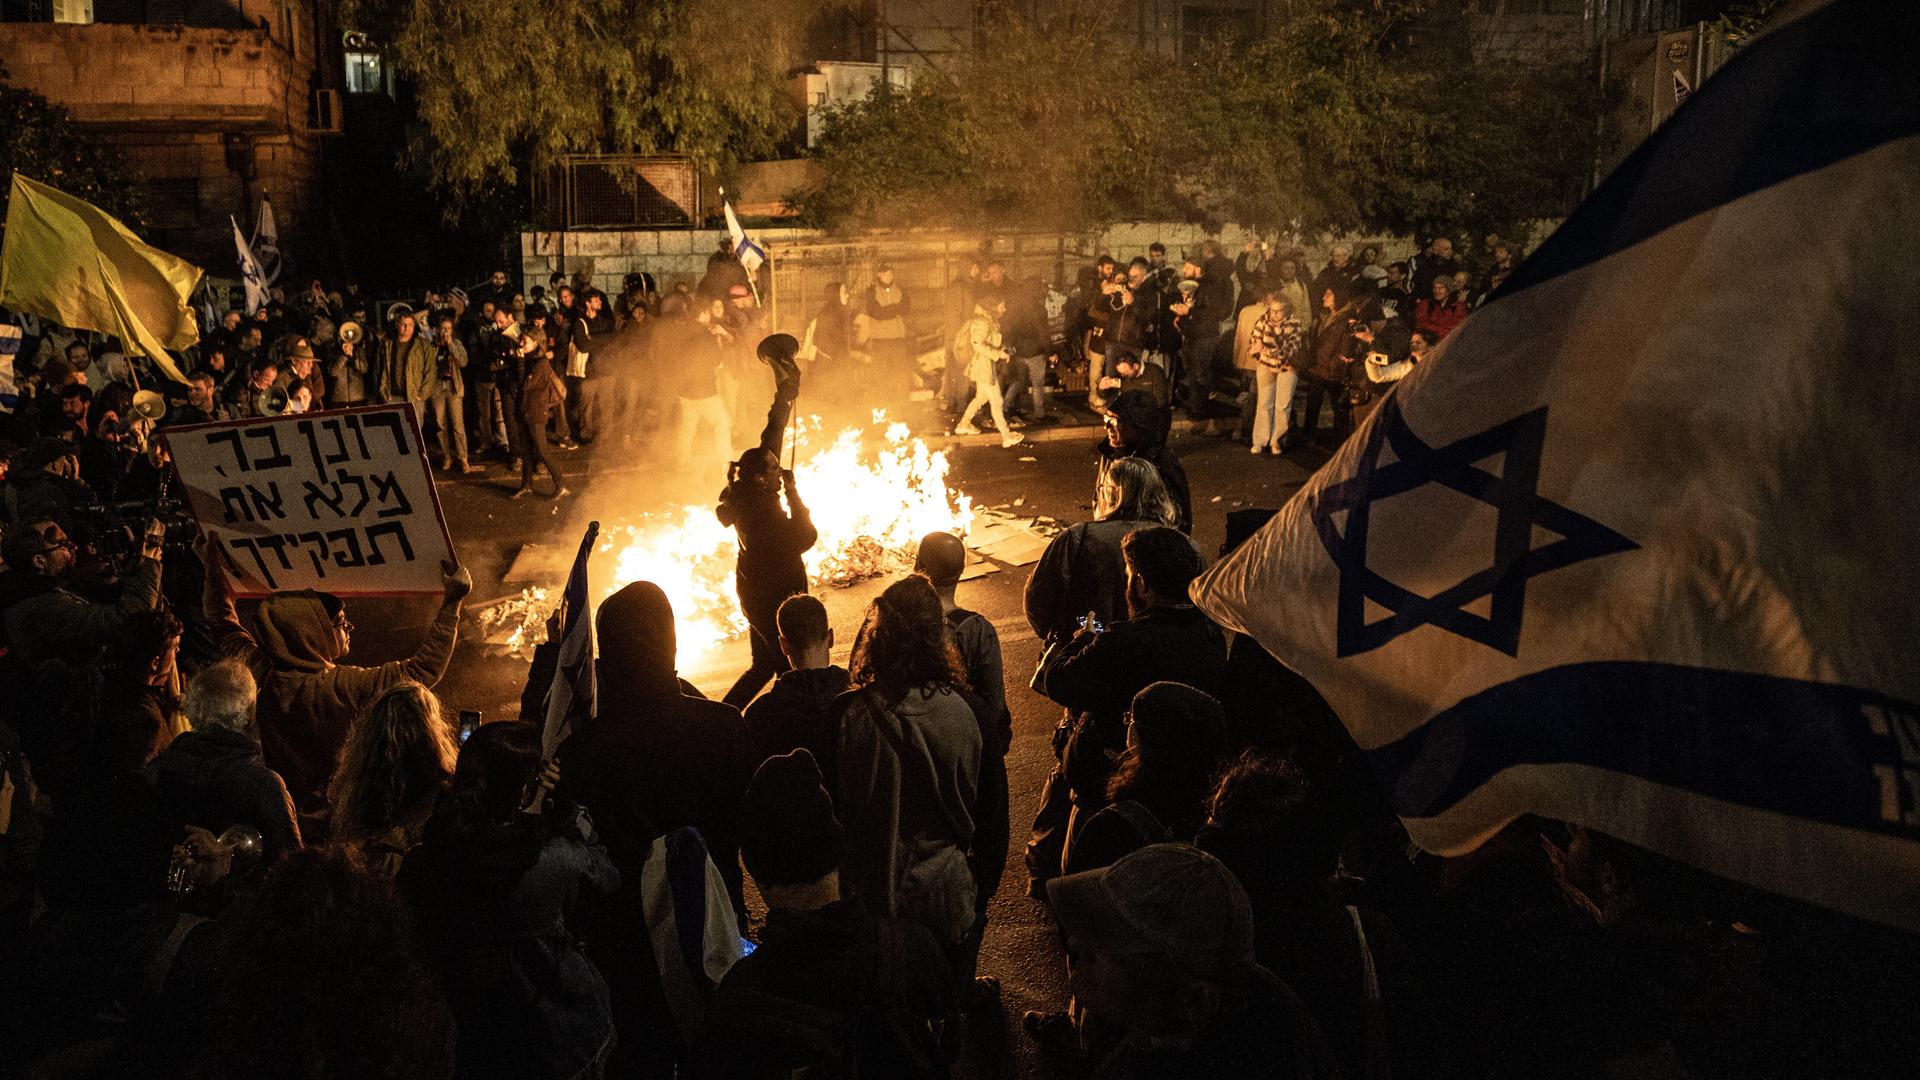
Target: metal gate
616, 191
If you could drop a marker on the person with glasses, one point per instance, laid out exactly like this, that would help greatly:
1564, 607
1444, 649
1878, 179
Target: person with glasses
42, 617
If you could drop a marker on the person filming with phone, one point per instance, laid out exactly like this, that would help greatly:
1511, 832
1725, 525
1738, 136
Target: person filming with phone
1096, 674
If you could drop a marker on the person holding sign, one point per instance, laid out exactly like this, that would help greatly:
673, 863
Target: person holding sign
308, 699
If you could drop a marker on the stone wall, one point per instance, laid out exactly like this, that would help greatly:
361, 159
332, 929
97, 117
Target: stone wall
806, 260
209, 118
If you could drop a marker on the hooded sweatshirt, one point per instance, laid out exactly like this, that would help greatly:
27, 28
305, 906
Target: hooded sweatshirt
655, 759
307, 701
798, 713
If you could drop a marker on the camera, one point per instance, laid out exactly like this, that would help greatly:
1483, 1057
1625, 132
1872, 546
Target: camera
115, 529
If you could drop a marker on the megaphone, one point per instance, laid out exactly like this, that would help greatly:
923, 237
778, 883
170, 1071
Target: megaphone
148, 405
350, 333
270, 402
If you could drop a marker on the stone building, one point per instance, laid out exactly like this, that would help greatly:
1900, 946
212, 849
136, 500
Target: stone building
213, 102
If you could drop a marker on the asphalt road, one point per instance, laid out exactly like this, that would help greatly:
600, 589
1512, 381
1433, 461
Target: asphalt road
1049, 476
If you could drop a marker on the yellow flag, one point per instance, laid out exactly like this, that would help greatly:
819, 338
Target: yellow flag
67, 260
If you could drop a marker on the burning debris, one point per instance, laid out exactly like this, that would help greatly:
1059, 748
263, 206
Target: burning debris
872, 499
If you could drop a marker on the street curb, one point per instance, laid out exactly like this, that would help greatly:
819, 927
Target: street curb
1048, 434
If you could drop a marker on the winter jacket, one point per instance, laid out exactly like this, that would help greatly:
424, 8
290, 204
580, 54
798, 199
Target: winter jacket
834, 991
655, 759
456, 363
978, 644
493, 909
1439, 319
347, 378
215, 778
981, 336
1081, 570
1332, 341
909, 777
408, 370
798, 712
44, 620
1097, 676
771, 543
1308, 939
308, 701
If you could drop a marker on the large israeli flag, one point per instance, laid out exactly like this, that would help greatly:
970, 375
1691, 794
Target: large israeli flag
1635, 548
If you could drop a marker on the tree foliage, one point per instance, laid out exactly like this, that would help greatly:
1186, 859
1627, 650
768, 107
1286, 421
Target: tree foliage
1349, 115
502, 83
41, 142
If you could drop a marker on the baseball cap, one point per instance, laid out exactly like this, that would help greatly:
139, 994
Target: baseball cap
1171, 900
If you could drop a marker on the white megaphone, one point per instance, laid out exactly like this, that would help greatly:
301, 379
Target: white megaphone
148, 405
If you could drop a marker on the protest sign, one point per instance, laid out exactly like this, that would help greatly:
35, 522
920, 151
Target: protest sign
339, 501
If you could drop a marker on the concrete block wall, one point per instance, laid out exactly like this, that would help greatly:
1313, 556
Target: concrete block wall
670, 255
677, 255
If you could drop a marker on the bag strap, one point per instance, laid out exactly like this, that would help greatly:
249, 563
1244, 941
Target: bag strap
1375, 1064
1144, 821
161, 963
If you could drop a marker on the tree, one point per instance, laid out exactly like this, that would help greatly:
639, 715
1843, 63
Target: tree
1354, 114
41, 142
501, 84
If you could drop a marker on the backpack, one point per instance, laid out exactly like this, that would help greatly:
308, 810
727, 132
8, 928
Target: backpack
963, 343
1003, 723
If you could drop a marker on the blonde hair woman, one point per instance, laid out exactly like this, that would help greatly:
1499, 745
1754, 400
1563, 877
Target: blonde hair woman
397, 760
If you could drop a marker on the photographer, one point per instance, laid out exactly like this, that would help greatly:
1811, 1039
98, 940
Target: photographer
43, 618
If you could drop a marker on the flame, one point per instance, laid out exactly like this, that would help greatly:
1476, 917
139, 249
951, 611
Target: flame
871, 500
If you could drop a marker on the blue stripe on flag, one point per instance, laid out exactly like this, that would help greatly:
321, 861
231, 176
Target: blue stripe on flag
573, 696
687, 882
1810, 750
1834, 83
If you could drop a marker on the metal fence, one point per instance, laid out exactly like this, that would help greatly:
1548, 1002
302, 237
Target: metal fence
616, 191
925, 265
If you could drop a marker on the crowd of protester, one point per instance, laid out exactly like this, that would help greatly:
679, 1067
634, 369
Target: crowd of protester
226, 852
1231, 342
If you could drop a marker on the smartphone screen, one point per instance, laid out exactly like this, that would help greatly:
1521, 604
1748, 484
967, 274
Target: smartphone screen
469, 720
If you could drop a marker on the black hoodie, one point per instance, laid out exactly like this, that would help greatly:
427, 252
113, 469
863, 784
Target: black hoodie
797, 713
654, 759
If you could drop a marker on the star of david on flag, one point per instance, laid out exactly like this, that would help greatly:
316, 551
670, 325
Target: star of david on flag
1513, 559
1630, 549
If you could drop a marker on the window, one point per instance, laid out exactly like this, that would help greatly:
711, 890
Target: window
1200, 25
366, 74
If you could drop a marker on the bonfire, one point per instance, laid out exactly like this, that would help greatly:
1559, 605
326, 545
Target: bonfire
872, 499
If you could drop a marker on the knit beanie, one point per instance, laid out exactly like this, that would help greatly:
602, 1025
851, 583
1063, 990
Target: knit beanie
789, 834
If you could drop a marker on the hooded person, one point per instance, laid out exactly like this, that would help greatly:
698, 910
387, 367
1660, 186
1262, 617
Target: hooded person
656, 757
308, 699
